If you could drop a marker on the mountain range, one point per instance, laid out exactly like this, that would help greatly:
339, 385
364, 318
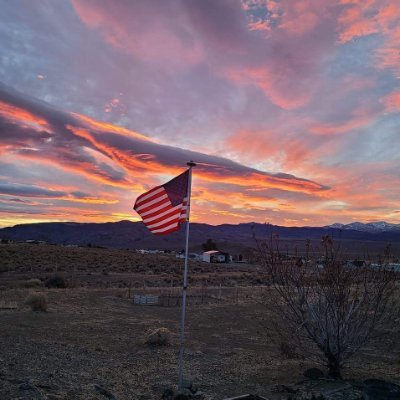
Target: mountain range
375, 227
134, 235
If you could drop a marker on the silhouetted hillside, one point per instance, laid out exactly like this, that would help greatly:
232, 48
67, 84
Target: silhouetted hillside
134, 235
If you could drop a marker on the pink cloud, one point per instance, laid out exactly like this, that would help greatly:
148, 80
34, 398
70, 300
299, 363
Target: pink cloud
274, 85
294, 50
392, 102
135, 28
363, 18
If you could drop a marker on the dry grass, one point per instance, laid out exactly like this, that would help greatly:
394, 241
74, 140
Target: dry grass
93, 336
32, 283
159, 337
96, 335
94, 267
37, 302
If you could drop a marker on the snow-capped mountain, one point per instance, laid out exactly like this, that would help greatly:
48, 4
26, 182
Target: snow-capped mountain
380, 226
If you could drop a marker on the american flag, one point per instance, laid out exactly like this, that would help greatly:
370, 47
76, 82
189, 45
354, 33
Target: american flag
164, 208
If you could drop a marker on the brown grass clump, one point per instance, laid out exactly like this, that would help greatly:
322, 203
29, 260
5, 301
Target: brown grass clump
159, 337
33, 283
37, 302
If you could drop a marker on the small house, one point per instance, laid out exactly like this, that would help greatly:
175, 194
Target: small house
216, 256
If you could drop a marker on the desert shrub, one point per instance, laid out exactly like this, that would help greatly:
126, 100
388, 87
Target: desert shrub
33, 283
328, 310
56, 281
287, 350
37, 302
159, 337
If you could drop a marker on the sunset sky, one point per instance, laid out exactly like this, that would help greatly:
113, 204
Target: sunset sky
289, 107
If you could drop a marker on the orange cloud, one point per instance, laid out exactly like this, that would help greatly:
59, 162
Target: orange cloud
274, 146
289, 183
132, 163
23, 117
101, 126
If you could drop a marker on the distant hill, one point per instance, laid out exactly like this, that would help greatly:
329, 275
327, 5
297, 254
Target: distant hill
134, 235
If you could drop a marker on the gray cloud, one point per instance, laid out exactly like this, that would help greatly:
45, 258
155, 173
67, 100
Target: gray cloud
29, 190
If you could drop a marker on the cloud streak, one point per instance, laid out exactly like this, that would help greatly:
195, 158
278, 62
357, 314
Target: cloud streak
115, 157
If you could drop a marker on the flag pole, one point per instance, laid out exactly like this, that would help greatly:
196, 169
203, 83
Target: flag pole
190, 164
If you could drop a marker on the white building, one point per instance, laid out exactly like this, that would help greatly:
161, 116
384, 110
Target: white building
215, 256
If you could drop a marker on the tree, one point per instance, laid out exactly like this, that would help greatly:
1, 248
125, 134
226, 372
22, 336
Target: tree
326, 308
209, 245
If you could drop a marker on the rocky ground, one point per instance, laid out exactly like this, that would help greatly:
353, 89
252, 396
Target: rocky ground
91, 345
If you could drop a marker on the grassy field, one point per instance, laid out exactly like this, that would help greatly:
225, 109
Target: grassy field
98, 267
93, 335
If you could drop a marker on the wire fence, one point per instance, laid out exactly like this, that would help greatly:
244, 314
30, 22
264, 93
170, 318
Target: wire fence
172, 296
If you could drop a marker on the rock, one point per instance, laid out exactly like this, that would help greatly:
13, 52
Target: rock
314, 374
159, 337
104, 392
376, 389
144, 397
24, 386
168, 394
247, 397
286, 388
182, 394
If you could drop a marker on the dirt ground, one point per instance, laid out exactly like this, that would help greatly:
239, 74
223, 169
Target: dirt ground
94, 336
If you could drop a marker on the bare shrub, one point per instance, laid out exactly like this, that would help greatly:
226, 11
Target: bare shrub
288, 350
325, 307
57, 281
37, 302
33, 283
159, 337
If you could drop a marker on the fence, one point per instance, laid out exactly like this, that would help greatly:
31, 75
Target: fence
172, 296
147, 300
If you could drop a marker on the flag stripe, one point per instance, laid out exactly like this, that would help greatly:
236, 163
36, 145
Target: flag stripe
166, 228
148, 194
161, 215
151, 197
174, 229
145, 206
165, 221
176, 214
165, 207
